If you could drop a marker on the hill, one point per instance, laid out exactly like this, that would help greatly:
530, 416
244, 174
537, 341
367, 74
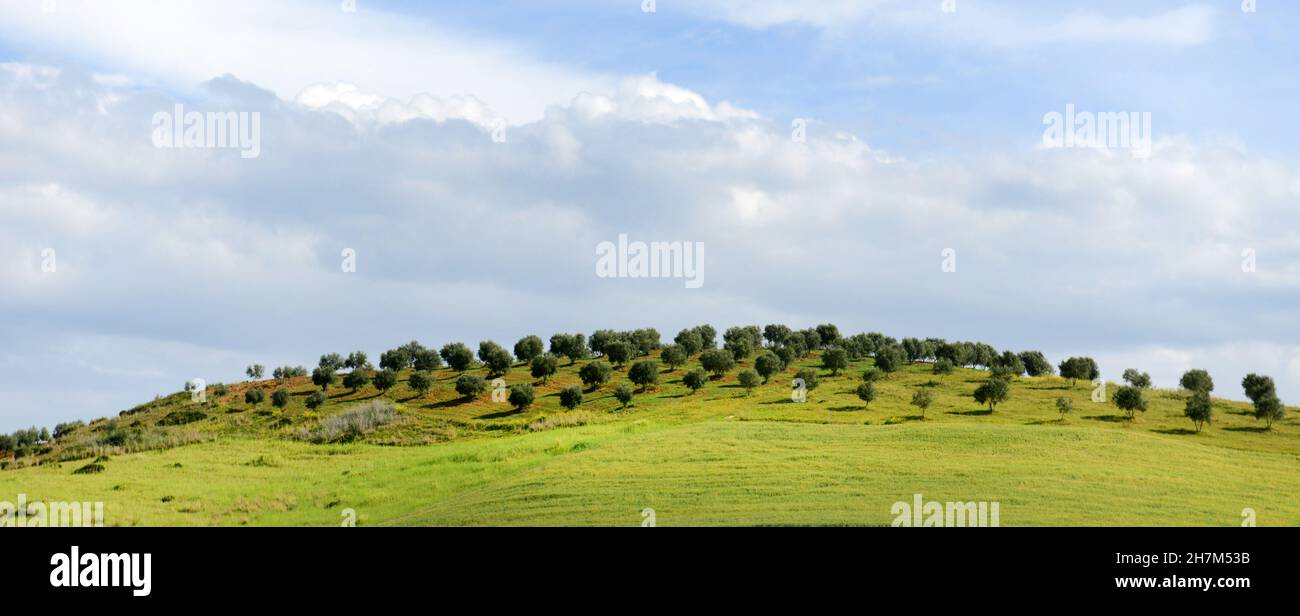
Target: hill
716, 456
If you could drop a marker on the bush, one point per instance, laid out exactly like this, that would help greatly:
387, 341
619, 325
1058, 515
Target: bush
563, 420
421, 381
470, 385
180, 418
944, 366
316, 400
571, 397
644, 373
521, 396
357, 379
1064, 406
695, 379
386, 379
254, 396
352, 424
749, 379
595, 373
623, 393
280, 398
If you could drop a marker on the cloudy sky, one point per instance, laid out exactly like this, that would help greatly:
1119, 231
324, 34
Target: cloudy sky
473, 155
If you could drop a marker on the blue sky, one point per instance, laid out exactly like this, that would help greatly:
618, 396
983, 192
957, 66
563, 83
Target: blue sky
924, 134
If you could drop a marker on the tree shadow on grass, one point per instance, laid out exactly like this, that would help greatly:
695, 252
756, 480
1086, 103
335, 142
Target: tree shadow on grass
1176, 431
970, 413
1108, 418
1256, 429
446, 403
499, 414
848, 407
1044, 422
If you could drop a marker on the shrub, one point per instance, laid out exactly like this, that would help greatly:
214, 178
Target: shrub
254, 396
944, 366
695, 379
386, 379
866, 392
470, 385
180, 418
352, 424
280, 398
645, 373
571, 397
421, 381
595, 373
316, 400
1064, 406
521, 396
623, 393
749, 379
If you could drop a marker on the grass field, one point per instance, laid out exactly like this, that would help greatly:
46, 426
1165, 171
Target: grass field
715, 457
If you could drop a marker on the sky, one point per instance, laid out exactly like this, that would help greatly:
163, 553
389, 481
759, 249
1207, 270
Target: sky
878, 164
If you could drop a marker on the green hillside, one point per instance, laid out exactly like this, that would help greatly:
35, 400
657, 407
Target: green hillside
718, 456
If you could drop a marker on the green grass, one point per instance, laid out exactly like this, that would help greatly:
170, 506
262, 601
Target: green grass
718, 456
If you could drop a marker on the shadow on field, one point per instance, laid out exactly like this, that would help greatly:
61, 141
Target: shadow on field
1176, 431
1044, 422
970, 413
1108, 418
499, 414
1255, 429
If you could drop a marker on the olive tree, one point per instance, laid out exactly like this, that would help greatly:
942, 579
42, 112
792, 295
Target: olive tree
749, 379
835, 359
623, 393
866, 392
458, 356
717, 361
521, 396
1130, 400
1197, 380
922, 399
768, 364
1076, 368
1199, 409
571, 397
673, 356
543, 366
993, 392
595, 373
528, 348
644, 373
1136, 378
421, 381
470, 385
280, 398
695, 379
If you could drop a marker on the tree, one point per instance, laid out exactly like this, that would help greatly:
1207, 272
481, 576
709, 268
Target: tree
1197, 380
280, 398
1257, 386
457, 355
618, 352
323, 377
1199, 409
708, 336
1036, 363
254, 396
394, 359
695, 379
866, 392
644, 340
1130, 400
828, 335
738, 342
623, 394
1133, 377
922, 399
673, 356
543, 366
315, 400
776, 334
890, 359
689, 339
220, 390
495, 358
1064, 406
521, 396
1269, 408
595, 373
528, 348
356, 359
1010, 363
421, 381
426, 360
645, 373
749, 379
768, 364
470, 385
357, 379
943, 366
255, 371
809, 377
787, 353
1076, 368
572, 346
333, 361
993, 392
571, 397
835, 359
386, 379
717, 361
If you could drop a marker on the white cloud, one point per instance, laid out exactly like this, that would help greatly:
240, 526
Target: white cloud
288, 45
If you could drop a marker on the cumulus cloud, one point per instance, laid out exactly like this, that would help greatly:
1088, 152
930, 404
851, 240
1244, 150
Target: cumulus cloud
194, 263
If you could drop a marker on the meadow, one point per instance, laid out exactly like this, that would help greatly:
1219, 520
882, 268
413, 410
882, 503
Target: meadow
719, 456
